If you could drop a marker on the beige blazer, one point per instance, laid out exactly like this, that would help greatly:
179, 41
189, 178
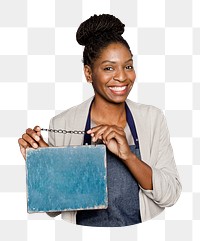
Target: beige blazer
155, 150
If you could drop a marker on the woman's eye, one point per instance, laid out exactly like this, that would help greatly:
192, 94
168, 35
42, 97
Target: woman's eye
129, 67
108, 68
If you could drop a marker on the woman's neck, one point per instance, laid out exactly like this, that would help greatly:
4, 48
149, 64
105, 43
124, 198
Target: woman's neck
108, 113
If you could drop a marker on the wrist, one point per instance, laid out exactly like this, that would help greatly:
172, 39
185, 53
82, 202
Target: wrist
130, 158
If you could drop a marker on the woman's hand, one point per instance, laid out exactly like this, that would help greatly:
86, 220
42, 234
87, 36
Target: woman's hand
114, 138
32, 138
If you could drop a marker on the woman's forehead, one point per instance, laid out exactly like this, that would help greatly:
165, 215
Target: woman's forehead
114, 52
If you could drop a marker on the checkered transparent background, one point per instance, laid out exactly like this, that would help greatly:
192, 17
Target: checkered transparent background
41, 75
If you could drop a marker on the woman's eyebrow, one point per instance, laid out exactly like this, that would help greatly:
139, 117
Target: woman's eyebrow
130, 60
108, 61
113, 62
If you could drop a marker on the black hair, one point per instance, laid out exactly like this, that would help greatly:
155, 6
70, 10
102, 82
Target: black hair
96, 33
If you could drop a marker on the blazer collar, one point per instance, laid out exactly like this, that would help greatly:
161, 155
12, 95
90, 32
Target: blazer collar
80, 118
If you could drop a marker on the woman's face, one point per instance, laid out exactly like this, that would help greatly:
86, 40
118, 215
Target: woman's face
113, 75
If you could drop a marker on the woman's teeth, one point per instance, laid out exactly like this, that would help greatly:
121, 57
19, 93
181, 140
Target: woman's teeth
117, 88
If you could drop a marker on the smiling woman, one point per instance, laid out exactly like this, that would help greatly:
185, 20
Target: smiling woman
112, 74
111, 77
142, 177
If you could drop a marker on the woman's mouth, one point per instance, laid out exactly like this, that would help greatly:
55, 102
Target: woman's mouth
119, 90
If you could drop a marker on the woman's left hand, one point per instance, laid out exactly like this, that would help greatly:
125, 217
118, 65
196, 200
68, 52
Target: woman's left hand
114, 138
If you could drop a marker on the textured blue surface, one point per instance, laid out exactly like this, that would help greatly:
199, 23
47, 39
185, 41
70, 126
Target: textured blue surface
66, 178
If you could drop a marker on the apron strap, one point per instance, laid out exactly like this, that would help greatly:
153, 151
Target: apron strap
129, 119
131, 123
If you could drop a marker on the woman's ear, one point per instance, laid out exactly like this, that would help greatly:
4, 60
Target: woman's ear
88, 73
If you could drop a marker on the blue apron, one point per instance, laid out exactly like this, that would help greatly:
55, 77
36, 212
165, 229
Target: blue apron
123, 190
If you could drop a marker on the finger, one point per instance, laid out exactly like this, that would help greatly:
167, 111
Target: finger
41, 142
33, 134
116, 129
121, 139
97, 133
101, 131
30, 140
23, 143
37, 129
112, 128
94, 129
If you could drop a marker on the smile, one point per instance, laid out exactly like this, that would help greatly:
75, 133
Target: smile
118, 88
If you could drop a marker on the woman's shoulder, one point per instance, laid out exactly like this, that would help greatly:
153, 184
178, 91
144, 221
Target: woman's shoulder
149, 116
143, 109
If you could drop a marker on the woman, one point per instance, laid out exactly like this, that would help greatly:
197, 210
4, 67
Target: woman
142, 175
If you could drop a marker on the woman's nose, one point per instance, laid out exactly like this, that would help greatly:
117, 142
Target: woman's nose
120, 75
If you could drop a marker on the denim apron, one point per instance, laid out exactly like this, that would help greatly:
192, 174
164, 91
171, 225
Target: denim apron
123, 190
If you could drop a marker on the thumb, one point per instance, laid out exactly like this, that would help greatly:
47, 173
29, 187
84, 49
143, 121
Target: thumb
41, 142
37, 129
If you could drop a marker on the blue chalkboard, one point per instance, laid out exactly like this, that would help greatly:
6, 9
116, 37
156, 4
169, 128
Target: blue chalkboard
66, 178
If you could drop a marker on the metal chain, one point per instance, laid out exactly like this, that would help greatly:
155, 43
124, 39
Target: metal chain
63, 131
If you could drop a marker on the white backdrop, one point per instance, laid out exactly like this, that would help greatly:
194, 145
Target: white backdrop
41, 75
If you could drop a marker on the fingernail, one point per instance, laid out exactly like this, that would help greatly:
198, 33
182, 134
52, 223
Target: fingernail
35, 145
37, 138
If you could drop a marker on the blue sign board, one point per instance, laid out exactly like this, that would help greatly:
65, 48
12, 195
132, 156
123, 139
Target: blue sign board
66, 178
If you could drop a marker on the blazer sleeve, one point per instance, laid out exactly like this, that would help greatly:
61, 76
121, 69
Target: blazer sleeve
165, 178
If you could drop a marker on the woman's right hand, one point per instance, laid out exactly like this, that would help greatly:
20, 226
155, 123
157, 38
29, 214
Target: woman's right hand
32, 138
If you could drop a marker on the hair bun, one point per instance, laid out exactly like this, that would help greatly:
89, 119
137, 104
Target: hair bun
97, 26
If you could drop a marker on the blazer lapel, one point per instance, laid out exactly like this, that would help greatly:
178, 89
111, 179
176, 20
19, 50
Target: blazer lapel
80, 122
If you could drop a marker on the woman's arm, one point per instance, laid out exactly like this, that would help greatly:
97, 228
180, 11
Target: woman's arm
159, 180
140, 170
165, 178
